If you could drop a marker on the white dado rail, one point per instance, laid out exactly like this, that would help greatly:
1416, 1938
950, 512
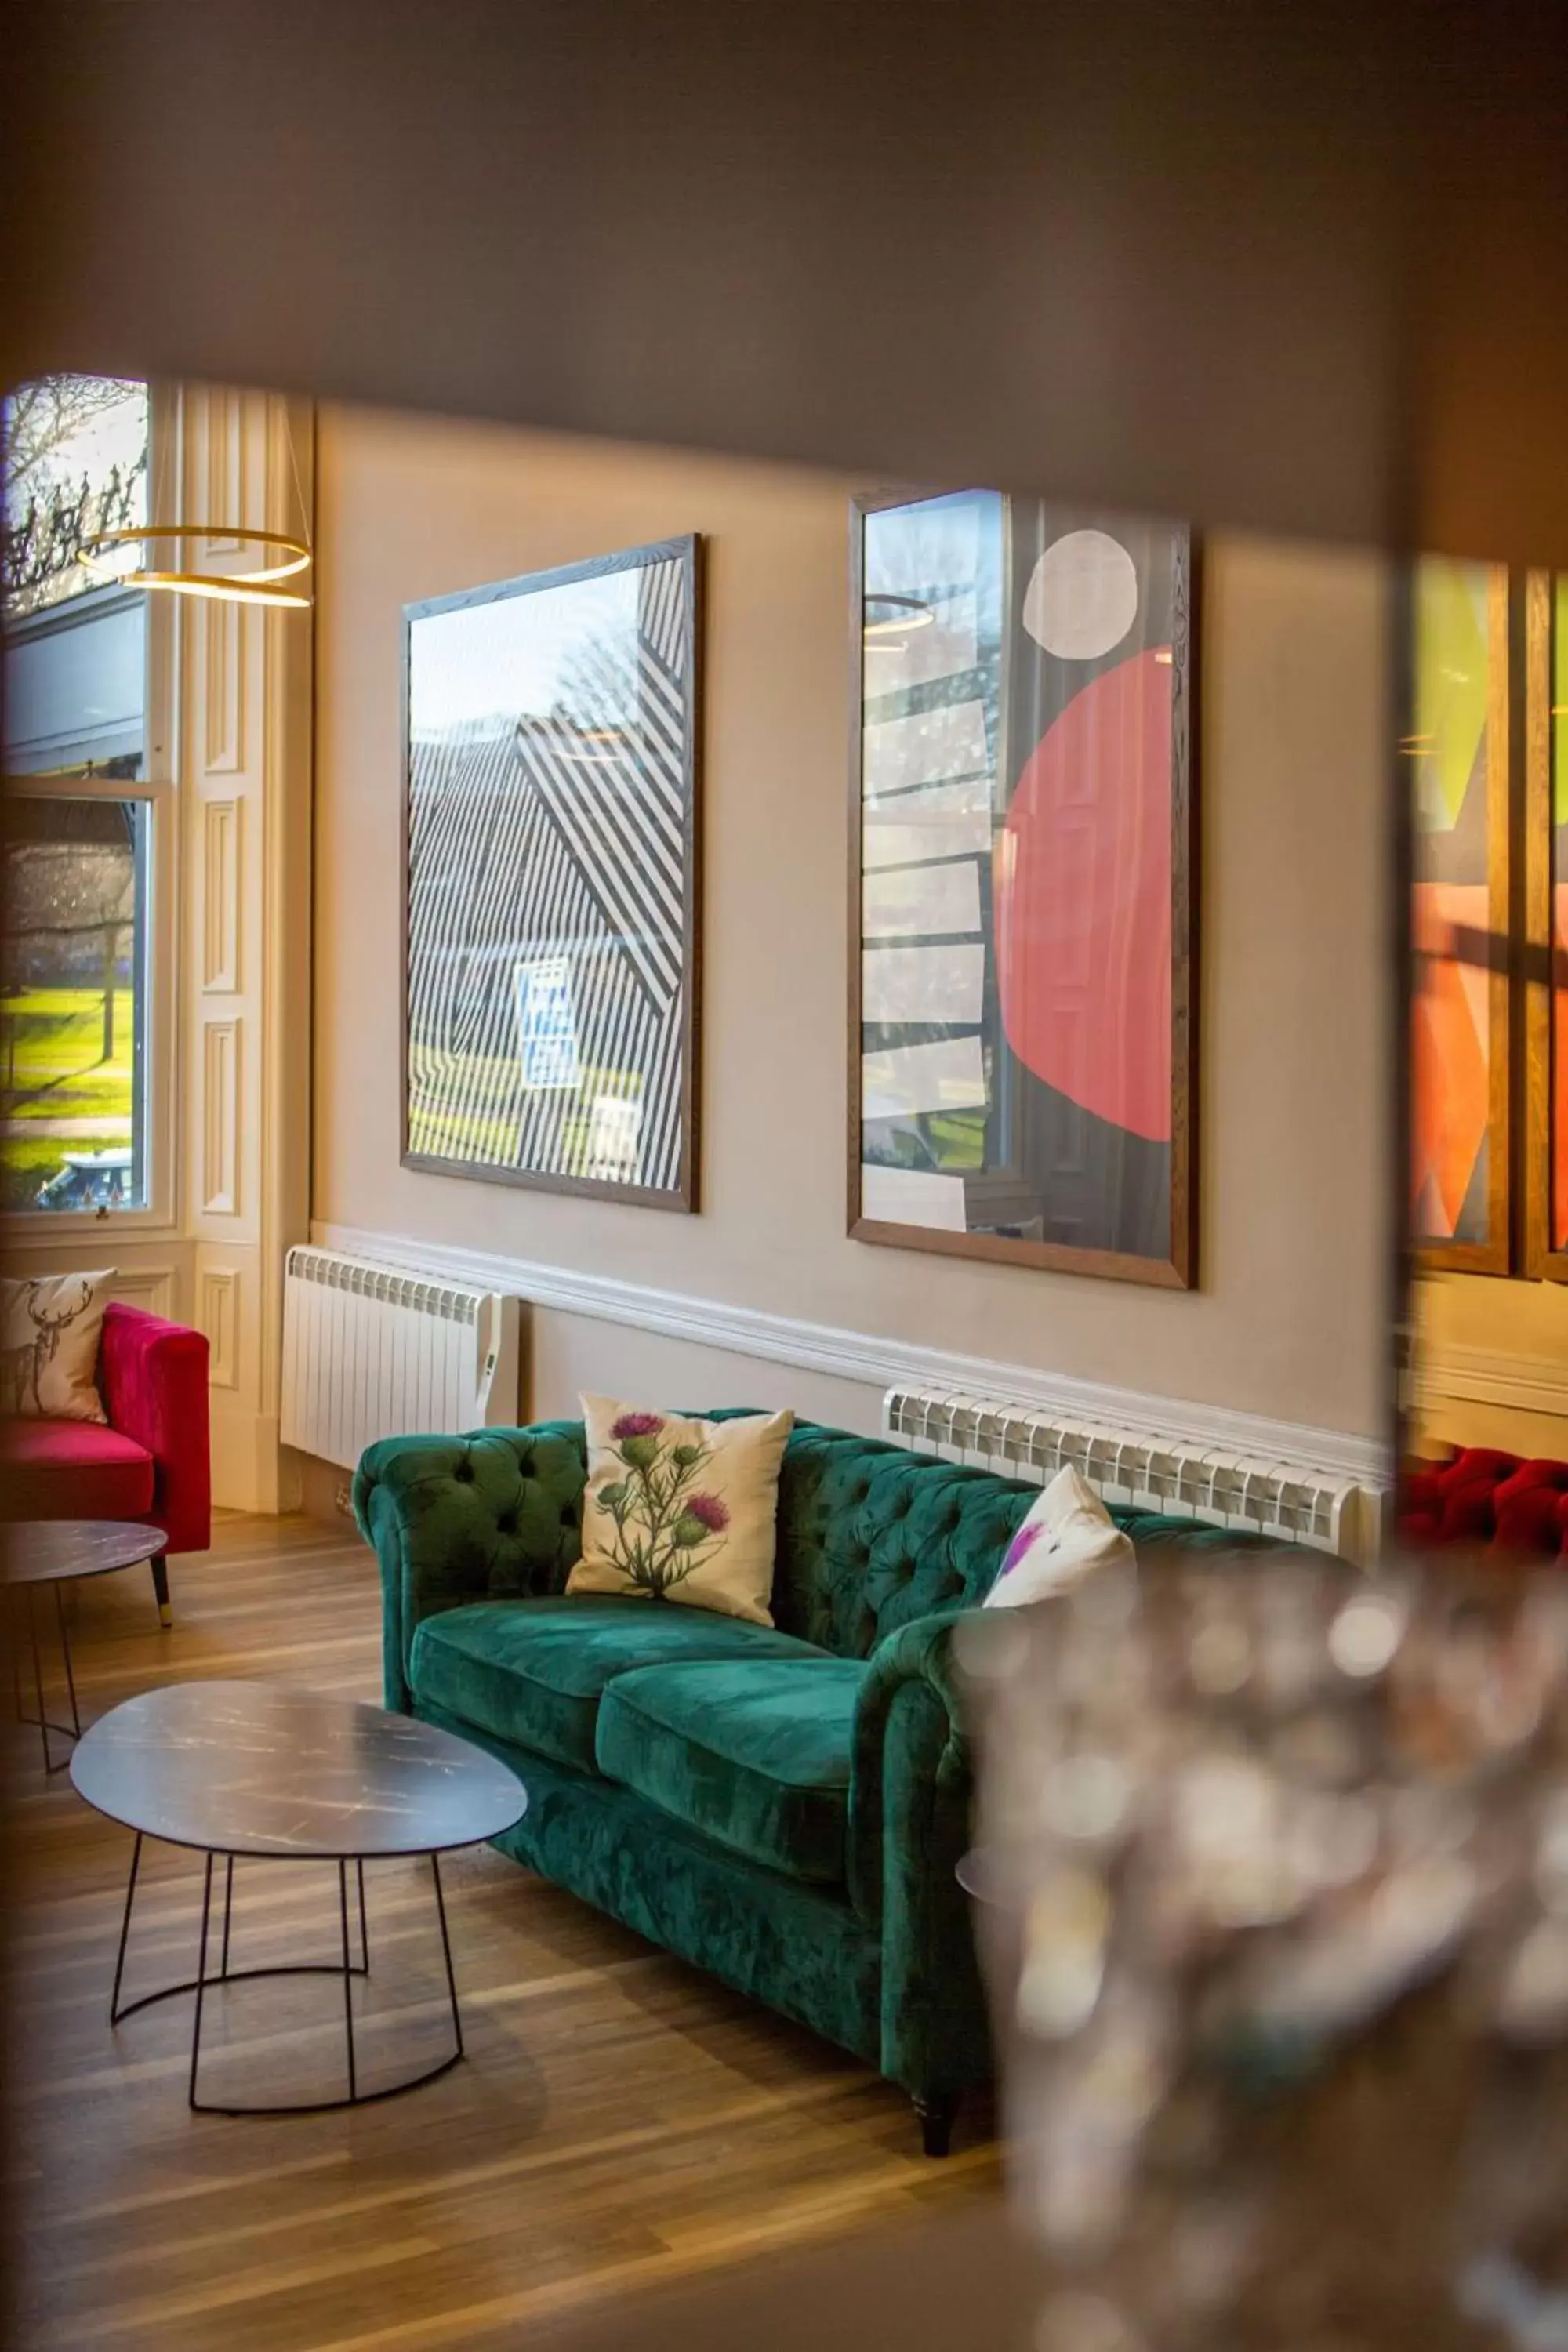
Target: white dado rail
1481, 1376
876, 1363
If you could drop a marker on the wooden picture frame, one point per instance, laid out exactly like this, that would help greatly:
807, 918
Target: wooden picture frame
1546, 934
1494, 1255
552, 878
1013, 1191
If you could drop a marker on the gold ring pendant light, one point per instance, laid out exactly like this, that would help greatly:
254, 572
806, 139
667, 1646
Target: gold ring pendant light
260, 586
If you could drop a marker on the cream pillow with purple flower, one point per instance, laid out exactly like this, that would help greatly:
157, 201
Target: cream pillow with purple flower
1065, 1535
681, 1510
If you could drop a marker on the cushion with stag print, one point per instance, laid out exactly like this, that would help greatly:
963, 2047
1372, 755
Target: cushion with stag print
50, 1329
681, 1510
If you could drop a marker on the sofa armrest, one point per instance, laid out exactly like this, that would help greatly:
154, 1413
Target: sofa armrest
909, 1795
153, 1380
492, 1516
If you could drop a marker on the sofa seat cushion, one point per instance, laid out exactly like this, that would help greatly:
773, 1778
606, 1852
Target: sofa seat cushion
753, 1752
532, 1672
74, 1470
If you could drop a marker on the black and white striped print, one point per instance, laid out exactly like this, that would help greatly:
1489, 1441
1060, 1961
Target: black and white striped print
562, 836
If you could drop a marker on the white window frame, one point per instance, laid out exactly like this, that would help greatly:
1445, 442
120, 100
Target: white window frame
157, 790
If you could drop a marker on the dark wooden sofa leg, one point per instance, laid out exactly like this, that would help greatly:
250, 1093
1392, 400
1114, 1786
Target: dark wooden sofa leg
161, 1587
936, 2117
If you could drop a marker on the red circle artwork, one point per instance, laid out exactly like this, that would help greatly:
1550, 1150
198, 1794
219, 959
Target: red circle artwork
1083, 900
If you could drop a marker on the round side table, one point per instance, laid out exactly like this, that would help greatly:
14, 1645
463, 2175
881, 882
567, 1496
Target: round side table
57, 1551
242, 1771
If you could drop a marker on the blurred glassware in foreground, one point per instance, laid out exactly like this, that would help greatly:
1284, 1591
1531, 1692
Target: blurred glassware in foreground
1273, 1900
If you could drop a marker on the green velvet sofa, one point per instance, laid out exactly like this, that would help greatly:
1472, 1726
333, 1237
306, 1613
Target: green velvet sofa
784, 1807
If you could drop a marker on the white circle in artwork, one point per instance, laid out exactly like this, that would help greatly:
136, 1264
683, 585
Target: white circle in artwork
1082, 596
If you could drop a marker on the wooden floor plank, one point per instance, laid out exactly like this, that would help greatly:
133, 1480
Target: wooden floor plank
621, 2118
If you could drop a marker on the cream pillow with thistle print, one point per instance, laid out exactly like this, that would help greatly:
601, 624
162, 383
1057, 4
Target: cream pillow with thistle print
681, 1510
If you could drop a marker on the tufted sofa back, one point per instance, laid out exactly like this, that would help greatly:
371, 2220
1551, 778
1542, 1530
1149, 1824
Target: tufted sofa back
870, 1536
1483, 1499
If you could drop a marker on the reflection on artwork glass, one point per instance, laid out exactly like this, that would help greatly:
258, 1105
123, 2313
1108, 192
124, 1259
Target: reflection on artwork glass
1024, 698
551, 830
1452, 1044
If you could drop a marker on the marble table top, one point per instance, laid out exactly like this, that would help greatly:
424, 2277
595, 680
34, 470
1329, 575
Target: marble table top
44, 1551
254, 1768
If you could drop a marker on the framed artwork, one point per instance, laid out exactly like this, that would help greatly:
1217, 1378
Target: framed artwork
1546, 885
552, 878
1460, 753
1023, 885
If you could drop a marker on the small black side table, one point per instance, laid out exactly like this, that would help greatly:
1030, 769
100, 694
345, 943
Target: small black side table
240, 1769
55, 1552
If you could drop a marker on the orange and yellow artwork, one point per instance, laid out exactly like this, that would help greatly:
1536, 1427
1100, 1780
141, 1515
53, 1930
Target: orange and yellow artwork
1452, 1044
1559, 740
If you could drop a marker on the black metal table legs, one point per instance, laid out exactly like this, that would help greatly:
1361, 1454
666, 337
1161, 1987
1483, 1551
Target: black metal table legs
25, 1601
346, 1968
26, 1596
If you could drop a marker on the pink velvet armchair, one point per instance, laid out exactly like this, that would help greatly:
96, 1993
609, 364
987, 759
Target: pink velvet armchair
149, 1462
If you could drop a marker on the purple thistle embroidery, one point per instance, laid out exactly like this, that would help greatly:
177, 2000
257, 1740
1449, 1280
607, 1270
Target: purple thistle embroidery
709, 1512
1021, 1543
636, 1424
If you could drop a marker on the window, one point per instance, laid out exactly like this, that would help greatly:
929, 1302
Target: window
81, 821
76, 465
73, 1011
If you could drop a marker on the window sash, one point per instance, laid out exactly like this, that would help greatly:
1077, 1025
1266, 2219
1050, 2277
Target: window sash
156, 950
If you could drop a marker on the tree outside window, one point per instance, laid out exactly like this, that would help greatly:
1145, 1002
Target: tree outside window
76, 822
76, 465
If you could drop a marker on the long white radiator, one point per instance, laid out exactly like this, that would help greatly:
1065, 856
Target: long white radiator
1128, 1467
369, 1352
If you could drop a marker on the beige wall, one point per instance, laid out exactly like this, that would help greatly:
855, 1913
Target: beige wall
1289, 1318
1493, 1357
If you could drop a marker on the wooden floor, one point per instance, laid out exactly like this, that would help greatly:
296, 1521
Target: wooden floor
621, 2120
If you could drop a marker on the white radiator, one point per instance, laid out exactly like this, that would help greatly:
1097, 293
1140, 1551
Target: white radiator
1223, 1490
370, 1352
